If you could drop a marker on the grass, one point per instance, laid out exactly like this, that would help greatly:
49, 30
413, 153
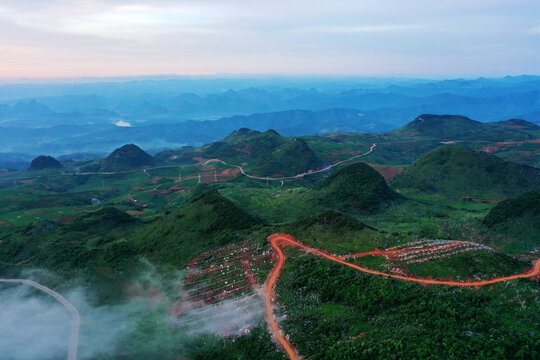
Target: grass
475, 265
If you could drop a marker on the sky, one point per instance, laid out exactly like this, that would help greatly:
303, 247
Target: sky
93, 38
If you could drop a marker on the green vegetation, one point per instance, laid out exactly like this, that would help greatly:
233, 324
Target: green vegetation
338, 233
515, 223
355, 187
210, 221
518, 124
109, 237
524, 205
153, 338
267, 154
457, 172
183, 155
457, 127
291, 158
334, 312
469, 265
247, 143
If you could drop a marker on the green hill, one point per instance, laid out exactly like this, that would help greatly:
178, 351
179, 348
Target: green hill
456, 127
209, 221
266, 153
294, 157
183, 155
455, 172
331, 221
521, 206
109, 237
514, 224
99, 238
245, 142
107, 217
44, 162
355, 187
127, 157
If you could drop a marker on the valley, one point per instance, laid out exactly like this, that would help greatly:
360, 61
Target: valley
430, 216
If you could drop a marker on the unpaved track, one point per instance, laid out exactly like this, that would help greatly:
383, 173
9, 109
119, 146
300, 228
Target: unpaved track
297, 176
74, 339
278, 241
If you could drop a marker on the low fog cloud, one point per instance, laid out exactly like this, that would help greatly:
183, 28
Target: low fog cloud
34, 326
227, 318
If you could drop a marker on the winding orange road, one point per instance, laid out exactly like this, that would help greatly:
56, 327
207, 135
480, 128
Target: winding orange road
279, 241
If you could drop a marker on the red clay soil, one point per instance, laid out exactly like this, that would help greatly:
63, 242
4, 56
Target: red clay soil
280, 240
199, 160
135, 213
484, 200
219, 274
4, 223
245, 150
66, 220
388, 172
178, 187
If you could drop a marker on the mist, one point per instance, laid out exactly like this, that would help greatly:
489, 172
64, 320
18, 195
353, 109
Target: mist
227, 318
34, 326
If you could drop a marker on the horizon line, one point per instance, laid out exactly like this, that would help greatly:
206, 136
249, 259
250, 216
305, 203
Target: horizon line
247, 76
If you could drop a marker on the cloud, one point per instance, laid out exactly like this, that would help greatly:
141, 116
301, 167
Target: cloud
535, 30
230, 317
122, 123
364, 29
114, 21
36, 327
120, 37
33, 326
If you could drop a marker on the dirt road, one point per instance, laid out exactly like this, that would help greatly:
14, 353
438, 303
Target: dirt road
279, 241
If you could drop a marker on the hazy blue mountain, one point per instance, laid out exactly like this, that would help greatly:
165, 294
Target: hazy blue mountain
66, 118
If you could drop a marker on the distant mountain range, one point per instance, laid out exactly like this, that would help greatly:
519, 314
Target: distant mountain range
288, 123
60, 119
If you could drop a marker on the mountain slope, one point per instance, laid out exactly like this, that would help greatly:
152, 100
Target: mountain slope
514, 224
266, 153
294, 157
355, 187
517, 124
456, 127
110, 237
127, 157
209, 221
524, 205
44, 162
455, 171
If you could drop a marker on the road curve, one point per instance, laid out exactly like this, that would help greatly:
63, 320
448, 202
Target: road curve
74, 339
294, 176
280, 240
